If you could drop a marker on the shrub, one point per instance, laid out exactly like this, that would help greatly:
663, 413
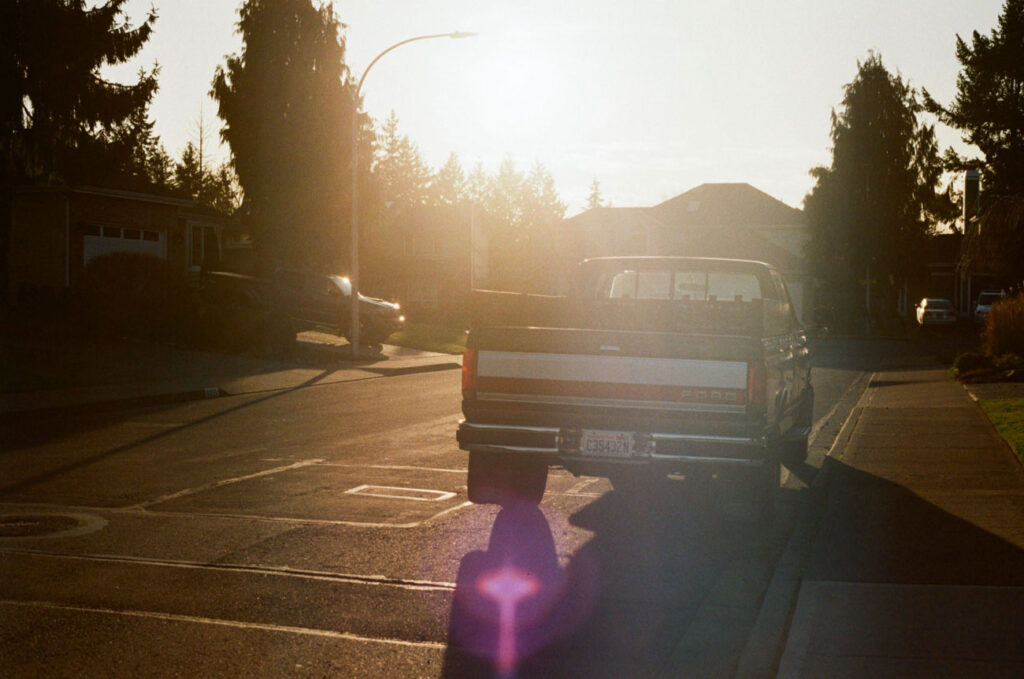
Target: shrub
1004, 327
970, 362
132, 295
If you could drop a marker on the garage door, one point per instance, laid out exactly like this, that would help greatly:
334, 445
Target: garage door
105, 240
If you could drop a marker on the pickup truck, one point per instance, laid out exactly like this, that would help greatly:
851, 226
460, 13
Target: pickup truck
652, 366
305, 300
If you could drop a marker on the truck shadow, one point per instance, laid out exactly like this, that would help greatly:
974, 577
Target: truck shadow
876, 530
618, 606
624, 602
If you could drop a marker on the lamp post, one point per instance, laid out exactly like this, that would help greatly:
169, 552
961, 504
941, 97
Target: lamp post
353, 332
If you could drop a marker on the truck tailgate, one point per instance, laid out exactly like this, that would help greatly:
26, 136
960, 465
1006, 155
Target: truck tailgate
612, 380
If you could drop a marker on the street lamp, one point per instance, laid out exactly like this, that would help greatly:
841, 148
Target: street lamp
353, 332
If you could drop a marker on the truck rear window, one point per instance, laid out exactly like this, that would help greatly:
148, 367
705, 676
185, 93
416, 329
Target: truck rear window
687, 285
683, 295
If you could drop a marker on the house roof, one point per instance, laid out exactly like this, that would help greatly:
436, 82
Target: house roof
711, 220
737, 243
737, 204
614, 217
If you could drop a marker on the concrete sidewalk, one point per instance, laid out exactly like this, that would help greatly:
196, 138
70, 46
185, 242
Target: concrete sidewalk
111, 376
917, 565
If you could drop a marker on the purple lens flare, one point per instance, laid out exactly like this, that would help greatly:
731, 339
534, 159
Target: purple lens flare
507, 587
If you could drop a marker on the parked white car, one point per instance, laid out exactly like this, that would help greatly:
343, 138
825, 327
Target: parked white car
985, 301
934, 311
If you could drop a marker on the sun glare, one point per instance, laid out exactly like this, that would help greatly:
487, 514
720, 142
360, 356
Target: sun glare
515, 86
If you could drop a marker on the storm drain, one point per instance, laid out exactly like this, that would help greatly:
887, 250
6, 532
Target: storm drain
28, 526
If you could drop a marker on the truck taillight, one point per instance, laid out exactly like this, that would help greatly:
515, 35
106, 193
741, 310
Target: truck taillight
757, 384
469, 374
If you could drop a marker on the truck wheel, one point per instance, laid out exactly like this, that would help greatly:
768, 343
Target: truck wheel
504, 480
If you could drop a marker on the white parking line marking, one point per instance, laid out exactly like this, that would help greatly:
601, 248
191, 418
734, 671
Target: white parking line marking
224, 482
399, 493
279, 571
394, 467
581, 485
236, 624
228, 516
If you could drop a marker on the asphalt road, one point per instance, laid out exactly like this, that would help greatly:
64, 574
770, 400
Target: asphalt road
322, 532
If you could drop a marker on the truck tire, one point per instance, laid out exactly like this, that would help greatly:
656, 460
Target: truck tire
505, 480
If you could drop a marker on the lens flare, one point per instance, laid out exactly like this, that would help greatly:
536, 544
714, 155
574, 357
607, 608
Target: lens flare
507, 587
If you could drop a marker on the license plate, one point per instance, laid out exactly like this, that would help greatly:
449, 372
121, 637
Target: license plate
606, 443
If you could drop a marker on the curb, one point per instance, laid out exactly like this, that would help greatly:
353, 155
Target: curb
763, 652
414, 369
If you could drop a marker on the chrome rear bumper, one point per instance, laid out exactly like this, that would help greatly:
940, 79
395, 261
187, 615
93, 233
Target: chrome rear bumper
556, 443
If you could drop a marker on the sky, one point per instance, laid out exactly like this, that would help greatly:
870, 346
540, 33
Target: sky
650, 98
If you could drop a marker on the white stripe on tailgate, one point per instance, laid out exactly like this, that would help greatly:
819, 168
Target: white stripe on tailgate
613, 369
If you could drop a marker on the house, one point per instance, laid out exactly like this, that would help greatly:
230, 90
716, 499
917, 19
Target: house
711, 220
427, 258
945, 280
57, 230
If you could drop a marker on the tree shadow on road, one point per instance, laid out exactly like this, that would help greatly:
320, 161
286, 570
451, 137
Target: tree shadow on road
32, 433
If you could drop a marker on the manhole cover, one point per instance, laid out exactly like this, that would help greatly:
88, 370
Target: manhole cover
29, 526
34, 525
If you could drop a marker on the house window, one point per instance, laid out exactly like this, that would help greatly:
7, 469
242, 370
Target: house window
98, 241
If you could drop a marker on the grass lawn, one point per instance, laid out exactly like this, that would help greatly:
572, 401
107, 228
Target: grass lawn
1007, 414
428, 337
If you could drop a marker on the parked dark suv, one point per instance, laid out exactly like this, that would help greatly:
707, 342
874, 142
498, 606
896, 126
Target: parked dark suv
309, 300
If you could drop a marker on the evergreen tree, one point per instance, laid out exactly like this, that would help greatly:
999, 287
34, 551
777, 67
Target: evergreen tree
523, 211
217, 189
871, 210
595, 199
160, 167
989, 112
221, 190
504, 198
55, 108
287, 103
402, 176
989, 105
542, 213
189, 175
137, 156
449, 184
477, 184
